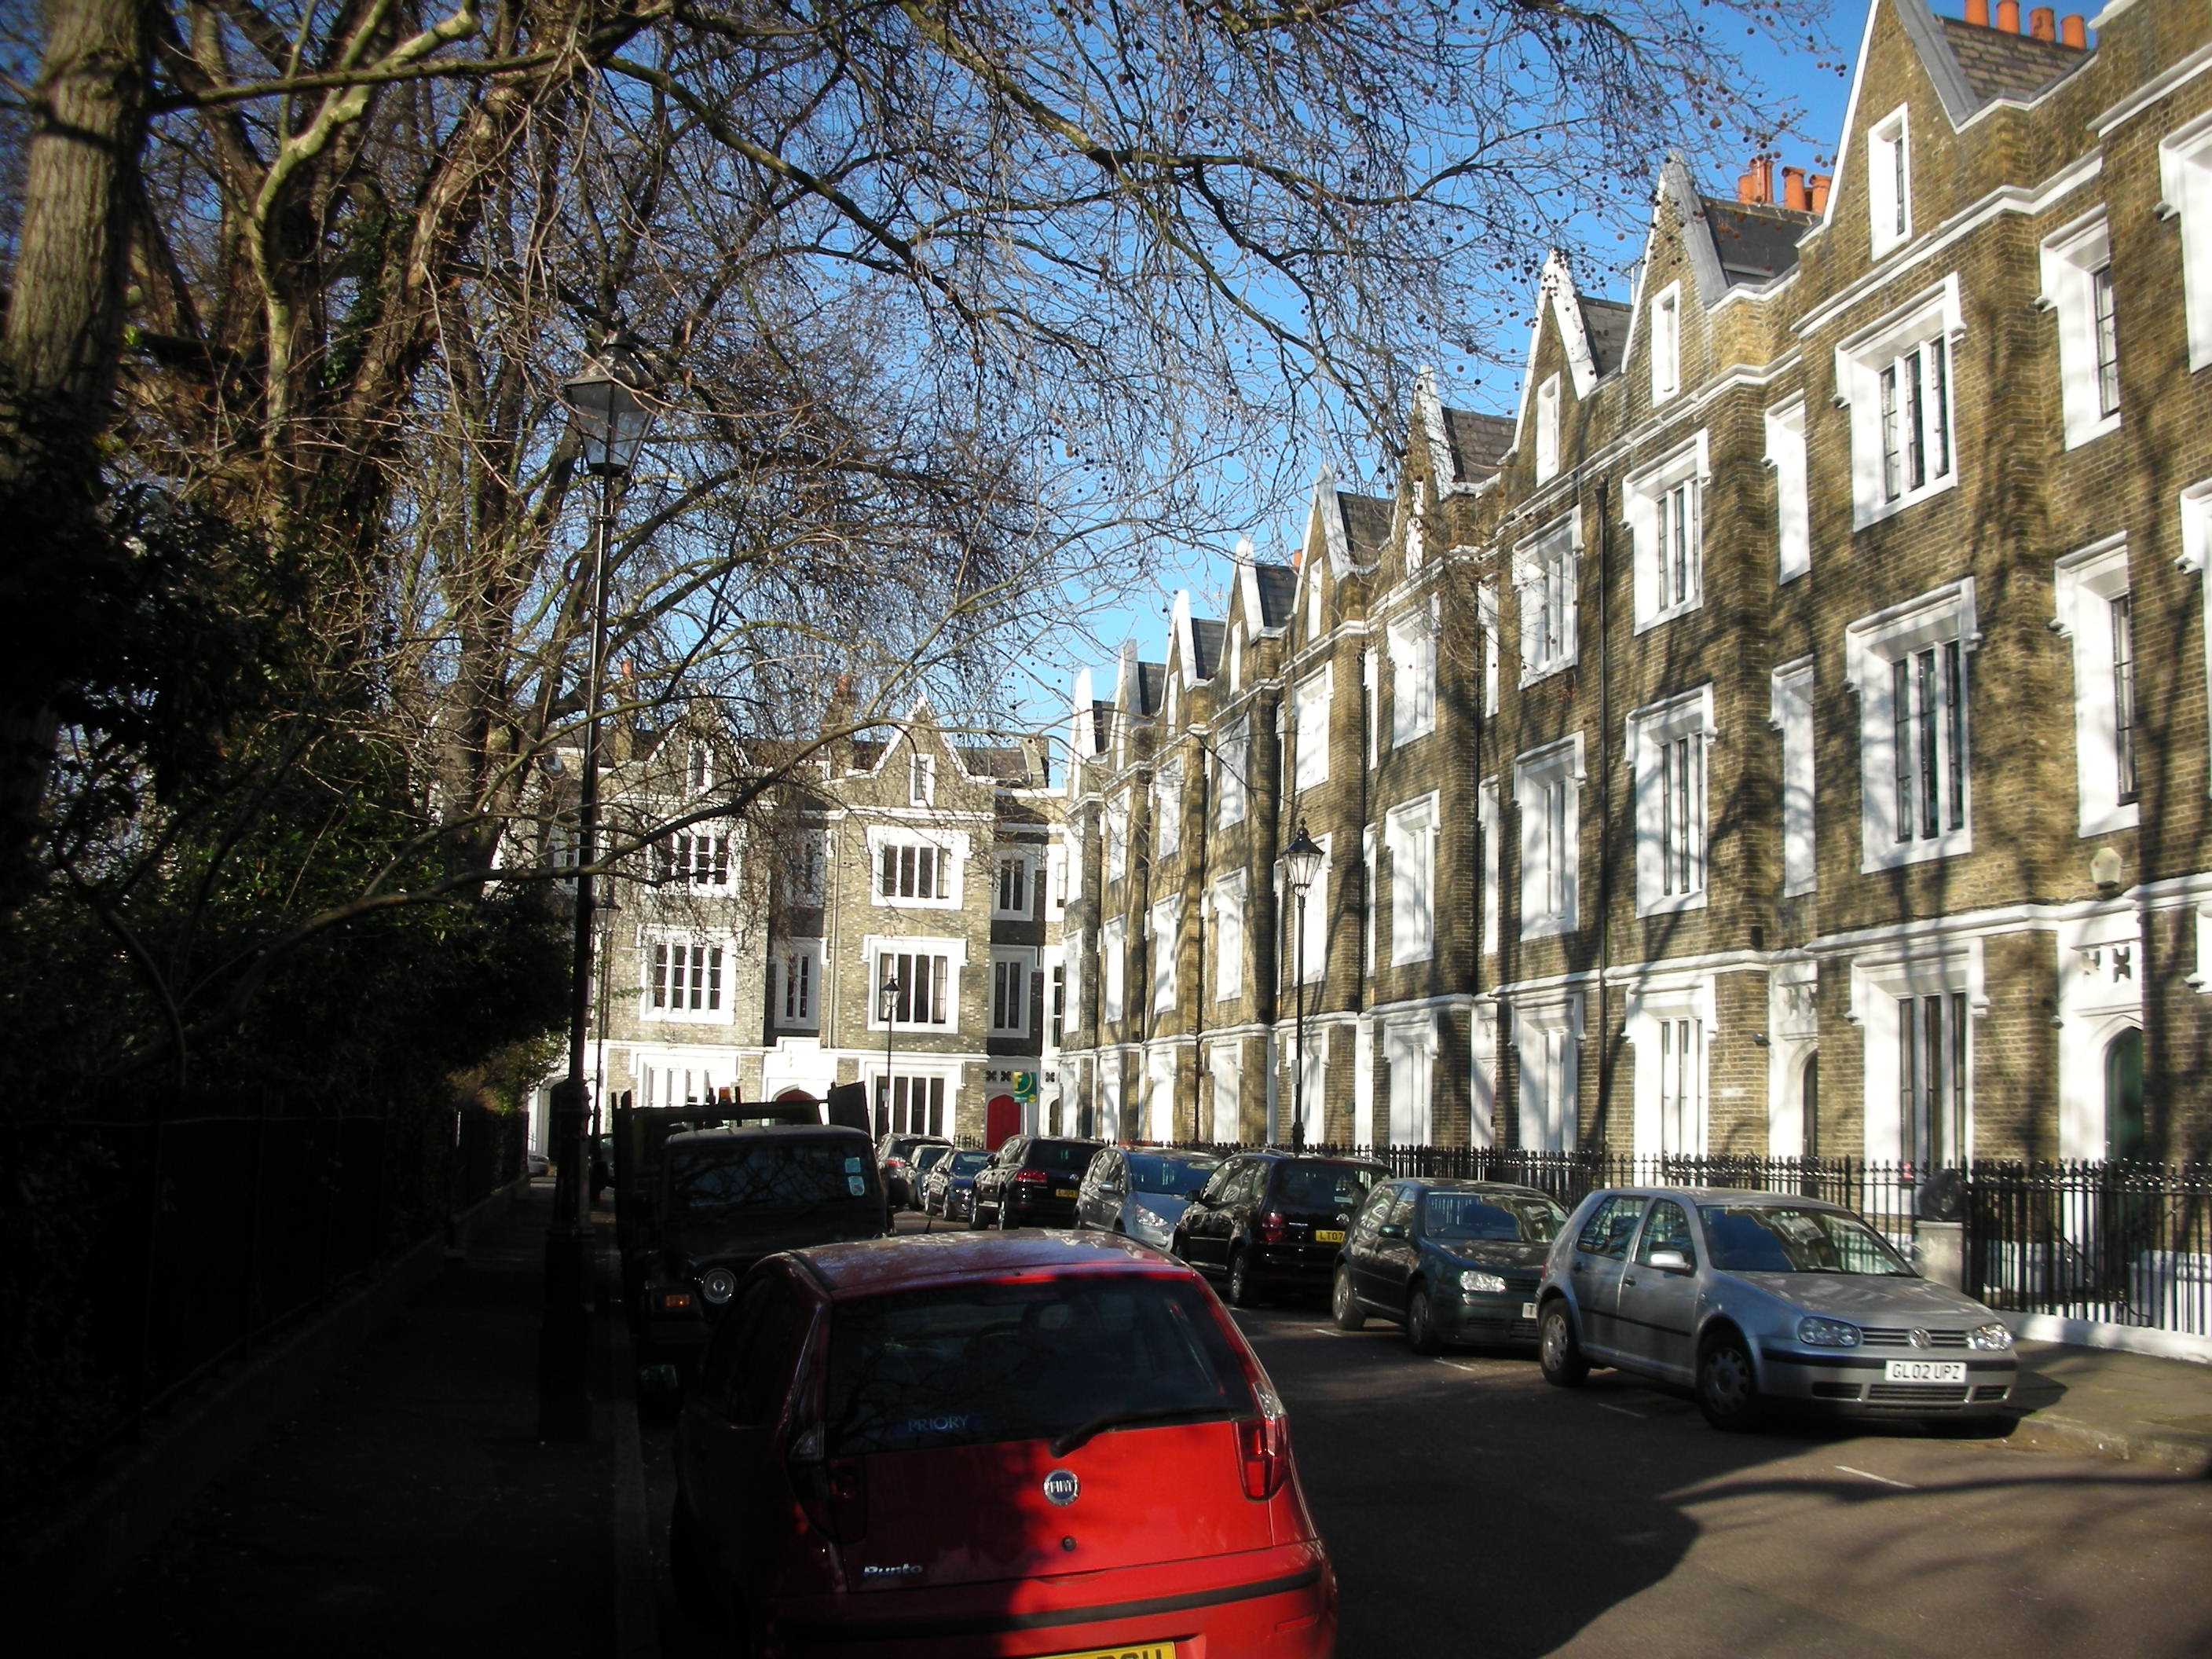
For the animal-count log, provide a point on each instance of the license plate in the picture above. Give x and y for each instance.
(1329, 1235)
(1063, 1191)
(1132, 1650)
(1528, 1310)
(1924, 1370)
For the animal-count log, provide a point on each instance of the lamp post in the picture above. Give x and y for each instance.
(890, 1004)
(608, 421)
(1302, 862)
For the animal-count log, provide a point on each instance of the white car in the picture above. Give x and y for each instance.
(536, 1163)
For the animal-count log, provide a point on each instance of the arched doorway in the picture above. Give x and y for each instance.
(2125, 1135)
(795, 1094)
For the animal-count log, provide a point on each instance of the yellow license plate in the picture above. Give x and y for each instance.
(1133, 1650)
(1329, 1235)
(1063, 1191)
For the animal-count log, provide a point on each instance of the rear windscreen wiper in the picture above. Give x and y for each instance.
(1069, 1439)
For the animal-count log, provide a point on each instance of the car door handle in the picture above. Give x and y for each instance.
(1627, 1280)
(1578, 1266)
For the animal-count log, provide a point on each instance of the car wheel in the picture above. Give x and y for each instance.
(1344, 1304)
(1004, 1220)
(1421, 1323)
(1557, 1353)
(1728, 1387)
(1244, 1289)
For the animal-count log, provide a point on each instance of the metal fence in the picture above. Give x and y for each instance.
(167, 1235)
(2114, 1243)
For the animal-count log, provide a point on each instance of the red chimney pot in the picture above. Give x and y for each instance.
(1793, 188)
(2043, 23)
(2009, 15)
(2074, 31)
(1977, 13)
(1816, 191)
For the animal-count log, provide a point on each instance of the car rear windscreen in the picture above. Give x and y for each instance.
(1073, 1156)
(1496, 1216)
(1176, 1177)
(968, 1162)
(968, 1364)
(727, 1175)
(1321, 1186)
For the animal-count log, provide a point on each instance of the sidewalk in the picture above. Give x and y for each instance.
(409, 1509)
(2117, 1405)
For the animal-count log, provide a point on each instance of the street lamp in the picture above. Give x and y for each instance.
(889, 1002)
(609, 420)
(1302, 862)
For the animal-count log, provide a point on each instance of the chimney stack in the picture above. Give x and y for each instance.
(2074, 31)
(2009, 15)
(1756, 187)
(1793, 189)
(2043, 23)
(1977, 13)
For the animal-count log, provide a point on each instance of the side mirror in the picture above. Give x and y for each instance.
(1671, 1261)
(1390, 1230)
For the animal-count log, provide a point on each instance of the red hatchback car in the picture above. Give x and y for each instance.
(1035, 1443)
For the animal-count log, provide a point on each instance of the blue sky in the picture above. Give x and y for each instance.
(1813, 82)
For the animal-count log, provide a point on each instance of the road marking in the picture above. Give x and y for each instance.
(1869, 1474)
(1623, 1410)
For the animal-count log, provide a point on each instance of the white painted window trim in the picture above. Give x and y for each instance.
(1228, 906)
(1560, 763)
(1114, 827)
(1648, 1006)
(2070, 260)
(1547, 1034)
(808, 1017)
(1113, 969)
(1889, 156)
(1411, 831)
(1651, 729)
(1935, 312)
(2185, 166)
(1550, 558)
(2085, 582)
(1369, 862)
(1311, 703)
(1232, 771)
(1878, 981)
(1030, 864)
(1793, 512)
(1869, 646)
(1489, 817)
(1665, 313)
(951, 844)
(690, 939)
(1167, 806)
(1164, 930)
(1642, 496)
(1494, 641)
(1790, 713)
(1413, 645)
(1547, 429)
(2195, 556)
(876, 946)
(1024, 959)
(1317, 917)
(1410, 1049)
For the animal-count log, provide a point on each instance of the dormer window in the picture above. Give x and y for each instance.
(1889, 182)
(1667, 342)
(1547, 429)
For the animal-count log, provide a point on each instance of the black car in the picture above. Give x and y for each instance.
(925, 1159)
(1274, 1220)
(729, 1197)
(1032, 1181)
(895, 1155)
(948, 1188)
(1452, 1261)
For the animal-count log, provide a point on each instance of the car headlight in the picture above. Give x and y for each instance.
(1827, 1334)
(1472, 1280)
(718, 1285)
(1990, 1336)
(1144, 1218)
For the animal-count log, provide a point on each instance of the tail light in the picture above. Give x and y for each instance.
(833, 1491)
(1271, 1229)
(1036, 1175)
(1263, 1446)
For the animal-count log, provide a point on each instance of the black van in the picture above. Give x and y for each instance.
(725, 1198)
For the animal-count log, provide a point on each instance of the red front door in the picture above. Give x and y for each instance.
(1001, 1117)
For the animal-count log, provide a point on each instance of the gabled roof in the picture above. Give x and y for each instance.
(1998, 65)
(1754, 242)
(992, 760)
(1151, 688)
(1367, 521)
(1604, 322)
(1276, 586)
(1206, 635)
(1477, 443)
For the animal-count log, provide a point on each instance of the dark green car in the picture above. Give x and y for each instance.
(1451, 1261)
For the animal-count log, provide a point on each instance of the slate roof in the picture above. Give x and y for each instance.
(1367, 520)
(1756, 242)
(1278, 593)
(1478, 443)
(1998, 65)
(1605, 322)
(1101, 725)
(994, 760)
(1152, 687)
(1206, 637)
(865, 753)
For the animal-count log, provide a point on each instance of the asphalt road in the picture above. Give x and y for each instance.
(1471, 1509)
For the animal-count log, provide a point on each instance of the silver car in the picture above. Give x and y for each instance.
(1749, 1299)
(1139, 1191)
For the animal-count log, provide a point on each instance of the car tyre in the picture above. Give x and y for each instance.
(1344, 1303)
(1002, 1221)
(1728, 1387)
(1243, 1290)
(1421, 1323)
(1558, 1354)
